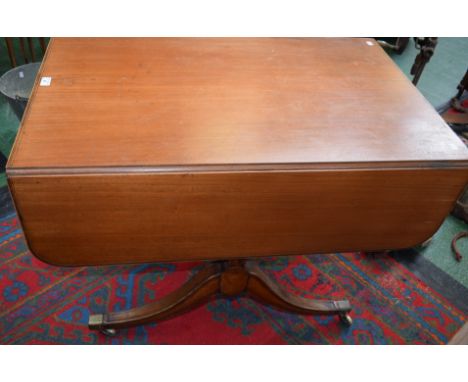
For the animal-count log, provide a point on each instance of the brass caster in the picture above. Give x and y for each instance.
(346, 319)
(108, 332)
(96, 322)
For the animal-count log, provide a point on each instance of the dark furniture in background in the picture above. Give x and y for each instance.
(27, 56)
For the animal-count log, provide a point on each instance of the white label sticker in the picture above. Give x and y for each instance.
(45, 81)
(21, 74)
(370, 43)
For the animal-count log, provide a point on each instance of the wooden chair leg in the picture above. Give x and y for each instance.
(23, 50)
(31, 49)
(42, 44)
(11, 52)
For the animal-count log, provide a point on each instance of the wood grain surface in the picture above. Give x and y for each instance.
(105, 219)
(173, 149)
(217, 101)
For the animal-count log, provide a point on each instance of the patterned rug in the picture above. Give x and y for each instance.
(43, 304)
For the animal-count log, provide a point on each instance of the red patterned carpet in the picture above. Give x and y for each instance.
(42, 304)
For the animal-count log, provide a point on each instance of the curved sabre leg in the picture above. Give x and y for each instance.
(229, 278)
(266, 291)
(195, 292)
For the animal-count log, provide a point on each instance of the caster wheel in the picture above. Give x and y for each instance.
(346, 319)
(108, 332)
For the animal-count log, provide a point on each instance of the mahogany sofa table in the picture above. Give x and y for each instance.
(224, 150)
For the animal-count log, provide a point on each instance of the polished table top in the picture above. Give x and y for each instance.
(143, 150)
(168, 103)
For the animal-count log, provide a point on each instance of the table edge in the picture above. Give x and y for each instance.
(223, 168)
